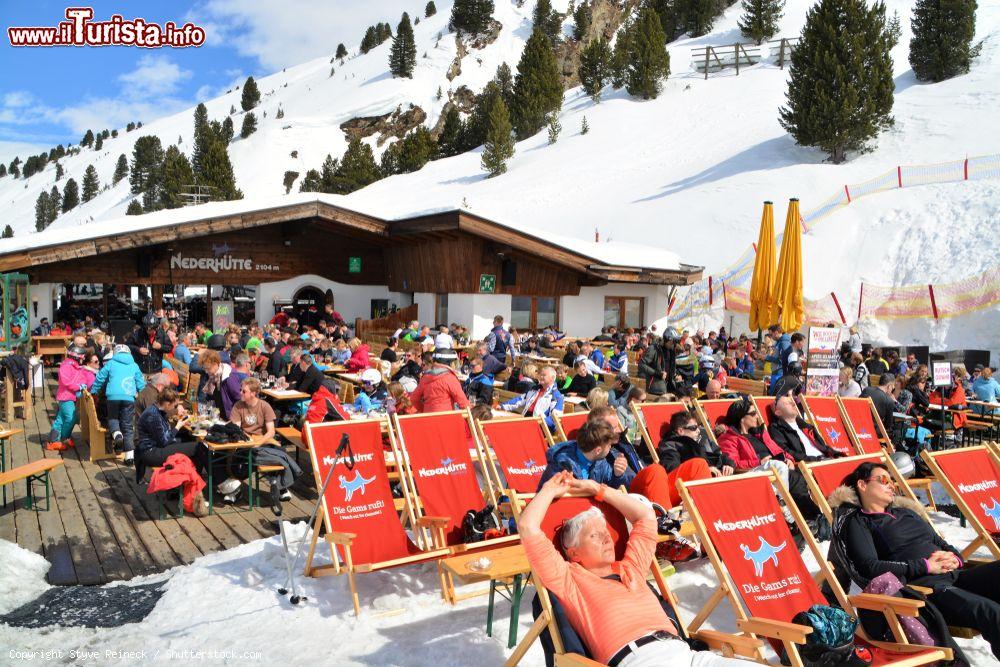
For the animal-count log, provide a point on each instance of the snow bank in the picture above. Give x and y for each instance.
(22, 577)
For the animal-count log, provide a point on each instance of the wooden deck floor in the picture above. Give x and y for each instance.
(103, 527)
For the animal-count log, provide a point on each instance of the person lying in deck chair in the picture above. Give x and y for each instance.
(607, 602)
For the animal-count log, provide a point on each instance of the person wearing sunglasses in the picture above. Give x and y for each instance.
(876, 532)
(686, 453)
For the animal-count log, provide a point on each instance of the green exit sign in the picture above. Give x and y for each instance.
(354, 265)
(487, 283)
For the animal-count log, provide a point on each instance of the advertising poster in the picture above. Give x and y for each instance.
(823, 366)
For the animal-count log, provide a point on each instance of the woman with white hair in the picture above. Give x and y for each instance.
(607, 602)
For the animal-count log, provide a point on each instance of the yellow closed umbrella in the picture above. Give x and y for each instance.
(762, 287)
(788, 285)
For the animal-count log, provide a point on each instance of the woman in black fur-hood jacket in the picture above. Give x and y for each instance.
(875, 531)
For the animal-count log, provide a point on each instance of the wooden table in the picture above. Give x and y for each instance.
(217, 451)
(285, 394)
(507, 563)
(51, 345)
(334, 369)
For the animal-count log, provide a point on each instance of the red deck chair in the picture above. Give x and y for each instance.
(871, 437)
(654, 422)
(823, 477)
(559, 511)
(971, 476)
(711, 413)
(765, 406)
(763, 575)
(518, 448)
(568, 425)
(824, 412)
(362, 528)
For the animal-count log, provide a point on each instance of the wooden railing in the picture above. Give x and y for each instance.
(706, 59)
(385, 325)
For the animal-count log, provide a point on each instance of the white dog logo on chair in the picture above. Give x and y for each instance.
(763, 554)
(357, 484)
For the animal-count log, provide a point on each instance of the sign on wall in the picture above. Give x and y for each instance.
(222, 315)
(487, 283)
(823, 370)
(354, 265)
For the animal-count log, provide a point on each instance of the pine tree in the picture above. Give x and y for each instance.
(439, 94)
(42, 211)
(55, 204)
(538, 88)
(621, 53)
(251, 96)
(416, 149)
(147, 165)
(249, 125)
(357, 168)
(449, 142)
(548, 21)
(341, 51)
(121, 169)
(595, 67)
(389, 164)
(114, 133)
(3, 170)
(471, 17)
(369, 41)
(499, 145)
(582, 18)
(403, 54)
(649, 62)
(311, 182)
(71, 195)
(280, 114)
(8, 231)
(217, 171)
(99, 142)
(328, 175)
(584, 126)
(201, 136)
(430, 10)
(59, 171)
(134, 208)
(505, 82)
(88, 139)
(91, 184)
(554, 129)
(840, 89)
(941, 46)
(177, 175)
(760, 19)
(227, 131)
(478, 124)
(14, 170)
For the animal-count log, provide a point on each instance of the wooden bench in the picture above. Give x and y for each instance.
(750, 387)
(95, 435)
(36, 471)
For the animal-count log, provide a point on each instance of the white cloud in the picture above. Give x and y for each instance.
(155, 75)
(11, 149)
(281, 34)
(17, 98)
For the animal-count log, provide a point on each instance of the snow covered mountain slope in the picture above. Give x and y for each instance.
(687, 171)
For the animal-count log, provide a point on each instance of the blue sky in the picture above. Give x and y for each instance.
(53, 95)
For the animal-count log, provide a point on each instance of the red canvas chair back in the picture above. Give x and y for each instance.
(827, 418)
(744, 522)
(443, 472)
(572, 422)
(358, 501)
(565, 508)
(862, 419)
(520, 447)
(829, 474)
(715, 410)
(765, 406)
(975, 476)
(657, 417)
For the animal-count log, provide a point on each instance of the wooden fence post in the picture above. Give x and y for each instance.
(707, 49)
(781, 54)
(736, 52)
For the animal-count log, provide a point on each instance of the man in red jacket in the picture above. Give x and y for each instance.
(439, 389)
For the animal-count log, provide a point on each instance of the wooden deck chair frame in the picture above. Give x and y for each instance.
(883, 437)
(810, 417)
(702, 416)
(640, 419)
(790, 634)
(718, 641)
(492, 464)
(902, 489)
(983, 538)
(424, 524)
(335, 539)
(558, 419)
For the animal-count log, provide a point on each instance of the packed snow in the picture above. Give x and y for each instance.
(224, 609)
(686, 172)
